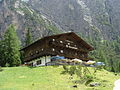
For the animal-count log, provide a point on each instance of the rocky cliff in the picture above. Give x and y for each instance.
(46, 17)
(85, 16)
(23, 17)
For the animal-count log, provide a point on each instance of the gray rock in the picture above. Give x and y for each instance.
(94, 84)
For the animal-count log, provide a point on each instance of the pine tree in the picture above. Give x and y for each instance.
(2, 61)
(11, 47)
(28, 39)
(107, 51)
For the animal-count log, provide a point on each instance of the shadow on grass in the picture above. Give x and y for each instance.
(63, 72)
(1, 69)
(31, 67)
(55, 66)
(82, 81)
(78, 82)
(105, 81)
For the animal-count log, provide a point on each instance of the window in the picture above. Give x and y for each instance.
(75, 53)
(53, 40)
(37, 52)
(39, 62)
(61, 51)
(61, 41)
(53, 49)
(66, 45)
(31, 54)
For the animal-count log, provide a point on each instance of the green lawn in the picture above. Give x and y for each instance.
(48, 78)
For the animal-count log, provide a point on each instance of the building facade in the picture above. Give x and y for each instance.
(68, 45)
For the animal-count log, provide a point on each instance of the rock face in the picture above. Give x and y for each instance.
(18, 13)
(45, 17)
(86, 16)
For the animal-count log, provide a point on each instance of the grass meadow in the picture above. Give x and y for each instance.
(49, 78)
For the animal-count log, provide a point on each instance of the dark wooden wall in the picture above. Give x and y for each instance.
(63, 46)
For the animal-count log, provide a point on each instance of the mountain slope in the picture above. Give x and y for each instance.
(81, 16)
(84, 16)
(18, 13)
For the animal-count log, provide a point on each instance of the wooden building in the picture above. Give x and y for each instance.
(68, 45)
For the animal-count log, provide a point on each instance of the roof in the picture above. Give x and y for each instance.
(76, 37)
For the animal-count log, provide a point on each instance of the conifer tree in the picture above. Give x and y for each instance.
(11, 47)
(2, 61)
(28, 39)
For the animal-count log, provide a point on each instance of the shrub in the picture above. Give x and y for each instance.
(65, 68)
(72, 70)
(1, 69)
(7, 64)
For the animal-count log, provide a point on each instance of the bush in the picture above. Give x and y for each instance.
(7, 64)
(1, 69)
(72, 70)
(88, 79)
(79, 73)
(65, 68)
(89, 76)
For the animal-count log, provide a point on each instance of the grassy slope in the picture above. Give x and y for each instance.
(47, 78)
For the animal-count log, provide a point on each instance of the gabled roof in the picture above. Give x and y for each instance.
(72, 34)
